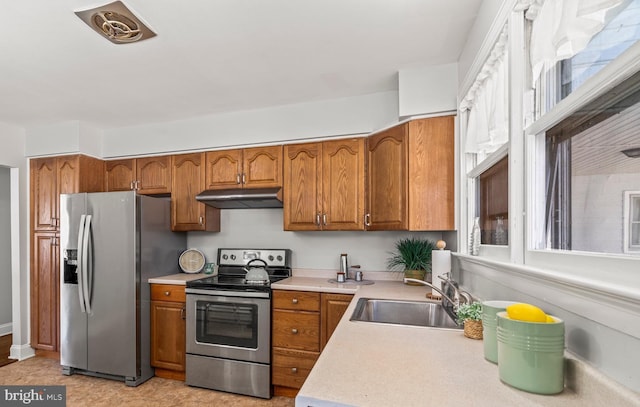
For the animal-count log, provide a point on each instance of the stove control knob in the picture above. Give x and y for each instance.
(279, 258)
(224, 256)
(270, 257)
(233, 257)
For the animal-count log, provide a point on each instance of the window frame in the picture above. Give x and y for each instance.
(629, 197)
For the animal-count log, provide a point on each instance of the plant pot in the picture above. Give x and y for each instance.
(417, 274)
(473, 329)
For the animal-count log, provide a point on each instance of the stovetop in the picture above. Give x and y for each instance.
(231, 269)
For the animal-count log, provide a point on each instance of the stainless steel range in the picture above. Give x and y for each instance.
(229, 322)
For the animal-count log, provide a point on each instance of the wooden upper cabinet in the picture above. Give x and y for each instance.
(44, 193)
(224, 169)
(153, 175)
(411, 176)
(324, 185)
(187, 214)
(259, 167)
(343, 174)
(149, 175)
(53, 176)
(302, 186)
(120, 175)
(387, 179)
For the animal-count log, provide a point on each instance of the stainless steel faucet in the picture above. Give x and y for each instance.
(452, 299)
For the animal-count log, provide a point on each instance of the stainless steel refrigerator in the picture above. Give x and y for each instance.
(111, 243)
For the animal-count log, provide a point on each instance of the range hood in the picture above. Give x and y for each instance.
(240, 198)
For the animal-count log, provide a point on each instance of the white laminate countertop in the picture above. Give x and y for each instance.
(177, 279)
(371, 364)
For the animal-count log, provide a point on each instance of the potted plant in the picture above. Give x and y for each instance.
(471, 316)
(413, 257)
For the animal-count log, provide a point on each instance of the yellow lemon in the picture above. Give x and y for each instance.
(550, 319)
(526, 312)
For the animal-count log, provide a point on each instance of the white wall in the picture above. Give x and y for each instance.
(428, 90)
(5, 247)
(355, 115)
(595, 201)
(63, 138)
(262, 229)
(13, 140)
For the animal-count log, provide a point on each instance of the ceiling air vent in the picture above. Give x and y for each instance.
(116, 22)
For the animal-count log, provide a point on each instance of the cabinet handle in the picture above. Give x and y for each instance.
(237, 178)
(131, 187)
(295, 300)
(318, 219)
(294, 370)
(294, 331)
(324, 218)
(201, 220)
(167, 293)
(367, 219)
(244, 178)
(137, 185)
(183, 312)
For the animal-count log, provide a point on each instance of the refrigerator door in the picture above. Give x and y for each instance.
(73, 320)
(114, 279)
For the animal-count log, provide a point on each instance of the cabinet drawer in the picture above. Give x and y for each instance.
(296, 330)
(296, 300)
(290, 368)
(167, 292)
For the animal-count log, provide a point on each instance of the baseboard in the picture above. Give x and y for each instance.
(21, 352)
(6, 329)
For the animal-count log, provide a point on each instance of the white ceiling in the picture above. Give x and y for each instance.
(214, 56)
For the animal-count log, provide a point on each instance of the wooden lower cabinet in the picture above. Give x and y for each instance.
(45, 292)
(168, 330)
(302, 324)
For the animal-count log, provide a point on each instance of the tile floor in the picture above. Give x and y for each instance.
(95, 392)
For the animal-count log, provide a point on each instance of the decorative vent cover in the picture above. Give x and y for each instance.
(116, 22)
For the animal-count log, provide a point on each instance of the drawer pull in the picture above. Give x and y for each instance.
(295, 300)
(294, 370)
(294, 331)
(167, 293)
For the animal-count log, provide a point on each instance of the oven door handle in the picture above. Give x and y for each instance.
(229, 293)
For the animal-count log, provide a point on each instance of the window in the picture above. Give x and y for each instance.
(632, 221)
(587, 174)
(494, 203)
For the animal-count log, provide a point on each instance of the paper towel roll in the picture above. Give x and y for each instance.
(440, 264)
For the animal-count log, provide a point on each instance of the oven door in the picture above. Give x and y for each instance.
(229, 324)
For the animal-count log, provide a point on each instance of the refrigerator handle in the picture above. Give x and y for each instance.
(80, 260)
(85, 263)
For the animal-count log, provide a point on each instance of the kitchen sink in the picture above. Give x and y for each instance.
(400, 312)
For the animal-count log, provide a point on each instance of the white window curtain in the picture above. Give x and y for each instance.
(488, 103)
(562, 28)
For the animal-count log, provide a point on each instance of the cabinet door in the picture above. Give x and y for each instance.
(153, 175)
(333, 308)
(223, 169)
(431, 174)
(44, 194)
(44, 291)
(120, 175)
(343, 167)
(68, 168)
(262, 167)
(187, 181)
(387, 179)
(296, 330)
(302, 186)
(168, 335)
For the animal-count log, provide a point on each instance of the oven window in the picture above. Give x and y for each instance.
(223, 323)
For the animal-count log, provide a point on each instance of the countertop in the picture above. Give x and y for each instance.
(177, 279)
(371, 364)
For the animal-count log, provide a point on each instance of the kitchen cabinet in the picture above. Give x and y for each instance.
(324, 185)
(259, 167)
(187, 180)
(302, 324)
(50, 177)
(148, 175)
(411, 176)
(45, 283)
(168, 330)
